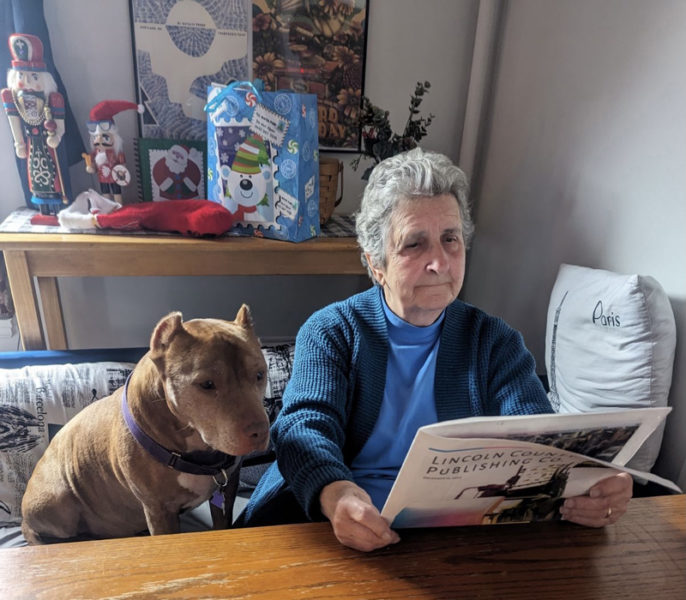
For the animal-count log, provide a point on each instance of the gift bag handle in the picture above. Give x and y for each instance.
(257, 87)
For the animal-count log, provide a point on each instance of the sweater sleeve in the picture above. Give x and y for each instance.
(513, 387)
(309, 434)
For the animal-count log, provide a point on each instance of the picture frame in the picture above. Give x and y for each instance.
(171, 169)
(316, 47)
(179, 48)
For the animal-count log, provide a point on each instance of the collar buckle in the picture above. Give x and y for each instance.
(173, 458)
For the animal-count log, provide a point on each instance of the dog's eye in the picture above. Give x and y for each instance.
(260, 375)
(207, 385)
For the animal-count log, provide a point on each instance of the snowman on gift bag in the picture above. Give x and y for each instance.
(248, 192)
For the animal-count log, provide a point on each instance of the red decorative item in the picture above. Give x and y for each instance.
(193, 217)
(189, 217)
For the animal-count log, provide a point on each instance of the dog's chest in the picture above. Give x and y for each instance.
(200, 486)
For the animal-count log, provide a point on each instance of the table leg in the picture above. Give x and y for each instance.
(24, 298)
(52, 313)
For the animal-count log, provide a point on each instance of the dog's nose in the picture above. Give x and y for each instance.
(258, 432)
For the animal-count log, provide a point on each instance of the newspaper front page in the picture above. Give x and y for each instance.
(488, 470)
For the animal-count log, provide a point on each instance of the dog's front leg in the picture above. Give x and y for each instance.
(161, 520)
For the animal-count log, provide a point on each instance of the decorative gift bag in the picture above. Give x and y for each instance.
(263, 159)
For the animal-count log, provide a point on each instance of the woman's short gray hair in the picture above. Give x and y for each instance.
(412, 174)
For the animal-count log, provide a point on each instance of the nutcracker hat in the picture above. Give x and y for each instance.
(27, 52)
(105, 110)
(250, 155)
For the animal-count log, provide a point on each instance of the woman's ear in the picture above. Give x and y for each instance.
(377, 272)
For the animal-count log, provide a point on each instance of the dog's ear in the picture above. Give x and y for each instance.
(164, 332)
(244, 318)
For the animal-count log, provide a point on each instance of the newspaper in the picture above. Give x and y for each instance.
(488, 470)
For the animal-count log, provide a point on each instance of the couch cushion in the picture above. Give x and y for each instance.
(279, 366)
(35, 401)
(610, 343)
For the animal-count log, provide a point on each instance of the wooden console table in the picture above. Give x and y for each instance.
(47, 256)
(643, 557)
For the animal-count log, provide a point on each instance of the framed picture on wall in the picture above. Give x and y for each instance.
(180, 47)
(318, 47)
(171, 169)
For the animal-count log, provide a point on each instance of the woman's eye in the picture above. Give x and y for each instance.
(207, 385)
(260, 375)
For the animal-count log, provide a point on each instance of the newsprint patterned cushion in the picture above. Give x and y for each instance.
(34, 403)
(279, 364)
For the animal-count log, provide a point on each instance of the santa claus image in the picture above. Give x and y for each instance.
(177, 175)
(106, 156)
(249, 184)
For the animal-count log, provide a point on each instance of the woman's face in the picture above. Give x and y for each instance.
(425, 258)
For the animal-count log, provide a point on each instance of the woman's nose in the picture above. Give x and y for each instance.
(438, 259)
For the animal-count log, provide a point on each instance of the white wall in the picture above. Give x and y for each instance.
(585, 165)
(408, 41)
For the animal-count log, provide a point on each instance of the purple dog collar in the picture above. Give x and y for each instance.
(196, 463)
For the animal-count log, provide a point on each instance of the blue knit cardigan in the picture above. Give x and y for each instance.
(334, 395)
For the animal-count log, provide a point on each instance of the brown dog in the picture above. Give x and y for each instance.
(193, 399)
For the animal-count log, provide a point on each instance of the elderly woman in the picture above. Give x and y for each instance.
(370, 370)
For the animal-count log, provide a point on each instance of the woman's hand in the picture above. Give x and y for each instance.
(605, 504)
(356, 521)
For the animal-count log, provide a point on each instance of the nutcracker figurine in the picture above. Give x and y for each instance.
(106, 156)
(35, 110)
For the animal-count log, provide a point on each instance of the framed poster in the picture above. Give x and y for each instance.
(171, 169)
(317, 47)
(180, 47)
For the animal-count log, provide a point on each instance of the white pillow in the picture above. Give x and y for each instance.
(610, 342)
(35, 402)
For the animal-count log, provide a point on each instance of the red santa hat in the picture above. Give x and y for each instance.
(193, 217)
(105, 110)
(27, 52)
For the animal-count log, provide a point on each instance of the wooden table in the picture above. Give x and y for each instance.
(642, 556)
(47, 256)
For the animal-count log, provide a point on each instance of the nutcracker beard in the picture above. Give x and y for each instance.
(100, 156)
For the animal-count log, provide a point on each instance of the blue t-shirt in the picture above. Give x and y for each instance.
(408, 404)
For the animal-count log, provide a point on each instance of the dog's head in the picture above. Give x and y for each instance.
(214, 377)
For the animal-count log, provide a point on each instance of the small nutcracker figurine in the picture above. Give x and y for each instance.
(107, 156)
(35, 110)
